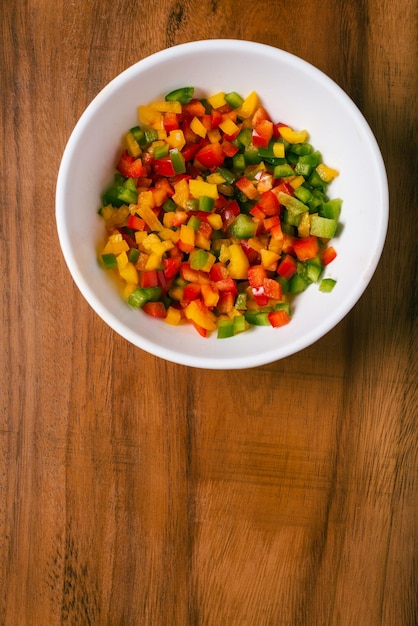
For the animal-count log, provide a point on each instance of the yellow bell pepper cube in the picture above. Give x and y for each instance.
(128, 289)
(293, 136)
(200, 314)
(326, 173)
(214, 135)
(181, 193)
(200, 188)
(140, 235)
(122, 260)
(144, 210)
(165, 106)
(296, 182)
(173, 316)
(269, 259)
(118, 244)
(224, 253)
(187, 238)
(215, 220)
(197, 127)
(304, 227)
(238, 262)
(129, 273)
(202, 242)
(278, 150)
(217, 100)
(249, 105)
(228, 127)
(133, 146)
(150, 117)
(150, 241)
(255, 244)
(175, 139)
(215, 178)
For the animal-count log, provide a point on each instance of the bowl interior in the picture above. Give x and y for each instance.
(293, 92)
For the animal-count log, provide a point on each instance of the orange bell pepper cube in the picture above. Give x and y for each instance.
(278, 318)
(155, 309)
(262, 133)
(328, 255)
(306, 248)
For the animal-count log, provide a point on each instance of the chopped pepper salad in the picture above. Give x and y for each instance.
(218, 215)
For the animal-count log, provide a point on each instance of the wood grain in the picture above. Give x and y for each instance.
(135, 492)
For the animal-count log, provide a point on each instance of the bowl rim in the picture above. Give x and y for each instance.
(142, 342)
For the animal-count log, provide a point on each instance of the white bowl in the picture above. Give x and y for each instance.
(293, 91)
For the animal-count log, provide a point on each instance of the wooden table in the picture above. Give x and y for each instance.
(135, 492)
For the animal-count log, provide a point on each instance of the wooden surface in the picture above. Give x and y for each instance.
(134, 492)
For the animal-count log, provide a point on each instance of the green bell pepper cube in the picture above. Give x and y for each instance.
(239, 324)
(141, 295)
(206, 204)
(161, 151)
(183, 95)
(298, 283)
(194, 222)
(234, 99)
(292, 204)
(243, 227)
(139, 135)
(327, 285)
(109, 261)
(283, 171)
(133, 255)
(118, 195)
(241, 302)
(323, 227)
(303, 194)
(225, 328)
(178, 161)
(331, 209)
(257, 318)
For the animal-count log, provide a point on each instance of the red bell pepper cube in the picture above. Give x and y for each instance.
(262, 133)
(130, 167)
(164, 166)
(216, 118)
(328, 255)
(259, 296)
(272, 289)
(170, 121)
(227, 284)
(218, 272)
(252, 255)
(148, 278)
(256, 276)
(269, 203)
(191, 292)
(306, 247)
(287, 267)
(284, 187)
(190, 150)
(171, 266)
(278, 318)
(211, 155)
(155, 309)
(136, 223)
